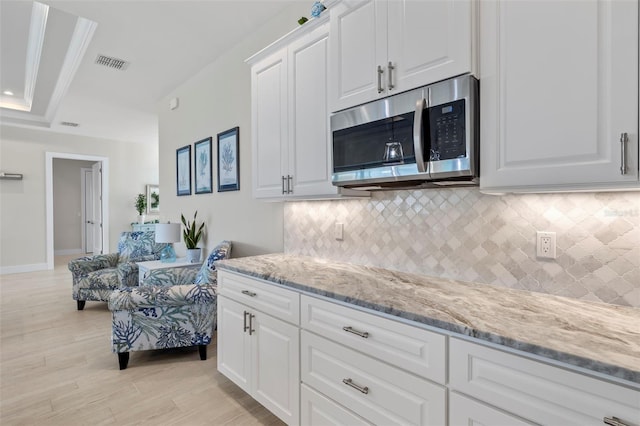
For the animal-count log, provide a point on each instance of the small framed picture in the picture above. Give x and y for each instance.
(183, 170)
(153, 199)
(228, 161)
(202, 160)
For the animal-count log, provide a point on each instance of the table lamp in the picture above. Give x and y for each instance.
(168, 233)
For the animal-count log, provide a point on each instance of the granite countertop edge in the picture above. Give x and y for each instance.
(574, 360)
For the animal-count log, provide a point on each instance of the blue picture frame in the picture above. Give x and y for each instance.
(183, 170)
(203, 180)
(229, 160)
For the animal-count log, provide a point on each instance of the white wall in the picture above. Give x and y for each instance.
(67, 205)
(215, 100)
(22, 203)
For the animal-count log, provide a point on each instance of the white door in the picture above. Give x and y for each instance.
(309, 147)
(358, 48)
(428, 41)
(88, 225)
(97, 207)
(559, 86)
(269, 125)
(233, 342)
(276, 366)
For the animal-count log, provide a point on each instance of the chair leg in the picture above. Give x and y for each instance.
(203, 352)
(80, 304)
(123, 359)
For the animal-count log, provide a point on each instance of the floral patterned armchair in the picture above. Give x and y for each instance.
(174, 307)
(95, 277)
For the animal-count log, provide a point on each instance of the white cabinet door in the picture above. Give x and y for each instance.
(234, 356)
(429, 41)
(358, 47)
(465, 411)
(559, 86)
(276, 366)
(309, 152)
(269, 125)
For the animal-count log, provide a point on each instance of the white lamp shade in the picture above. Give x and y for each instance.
(167, 232)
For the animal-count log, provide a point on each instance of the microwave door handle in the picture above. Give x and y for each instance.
(418, 143)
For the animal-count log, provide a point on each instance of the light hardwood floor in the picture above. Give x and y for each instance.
(56, 367)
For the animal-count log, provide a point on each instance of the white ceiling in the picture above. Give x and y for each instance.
(165, 42)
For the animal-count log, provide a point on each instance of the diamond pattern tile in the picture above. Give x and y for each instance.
(469, 236)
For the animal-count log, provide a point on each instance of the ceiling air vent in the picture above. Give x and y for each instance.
(69, 124)
(110, 62)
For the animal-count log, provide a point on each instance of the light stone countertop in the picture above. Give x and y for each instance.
(596, 336)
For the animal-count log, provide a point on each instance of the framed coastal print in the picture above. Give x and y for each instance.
(183, 170)
(202, 159)
(153, 199)
(228, 161)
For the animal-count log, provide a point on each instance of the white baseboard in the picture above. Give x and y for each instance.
(67, 251)
(18, 269)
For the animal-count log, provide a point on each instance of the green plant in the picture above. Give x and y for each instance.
(141, 203)
(191, 232)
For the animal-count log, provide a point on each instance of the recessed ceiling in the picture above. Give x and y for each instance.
(164, 43)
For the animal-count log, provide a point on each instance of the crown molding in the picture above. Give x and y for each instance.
(39, 14)
(82, 35)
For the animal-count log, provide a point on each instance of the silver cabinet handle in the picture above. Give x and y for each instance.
(391, 68)
(245, 322)
(614, 421)
(349, 382)
(623, 153)
(251, 330)
(363, 334)
(380, 72)
(283, 179)
(289, 184)
(417, 135)
(249, 293)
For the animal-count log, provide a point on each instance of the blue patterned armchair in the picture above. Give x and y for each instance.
(174, 307)
(95, 277)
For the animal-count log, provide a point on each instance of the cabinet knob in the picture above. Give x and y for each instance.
(349, 382)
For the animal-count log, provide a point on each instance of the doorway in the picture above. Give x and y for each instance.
(100, 170)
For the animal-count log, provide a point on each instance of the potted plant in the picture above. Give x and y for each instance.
(192, 233)
(141, 206)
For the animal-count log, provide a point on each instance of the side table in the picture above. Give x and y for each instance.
(145, 267)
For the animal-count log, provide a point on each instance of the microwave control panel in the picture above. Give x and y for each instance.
(447, 131)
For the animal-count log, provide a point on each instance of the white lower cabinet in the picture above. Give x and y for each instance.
(378, 392)
(311, 361)
(259, 353)
(536, 391)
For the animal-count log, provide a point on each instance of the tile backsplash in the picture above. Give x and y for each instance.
(469, 236)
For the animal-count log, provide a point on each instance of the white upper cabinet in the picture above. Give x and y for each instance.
(269, 125)
(559, 86)
(291, 140)
(380, 47)
(310, 154)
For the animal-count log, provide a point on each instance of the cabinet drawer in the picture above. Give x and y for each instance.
(414, 349)
(465, 411)
(376, 391)
(536, 391)
(270, 299)
(318, 410)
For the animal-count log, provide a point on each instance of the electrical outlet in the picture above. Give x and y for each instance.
(338, 231)
(545, 245)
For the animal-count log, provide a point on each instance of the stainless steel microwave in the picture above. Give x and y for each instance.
(425, 137)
